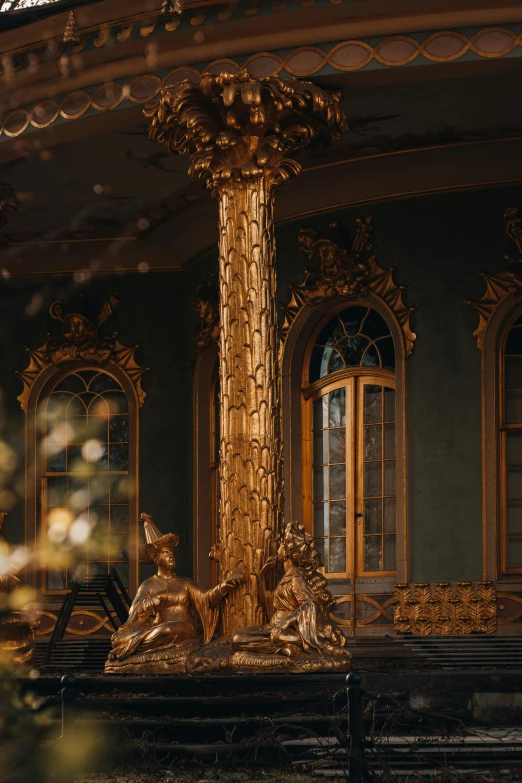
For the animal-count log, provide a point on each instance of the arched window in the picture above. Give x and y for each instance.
(88, 466)
(350, 445)
(511, 451)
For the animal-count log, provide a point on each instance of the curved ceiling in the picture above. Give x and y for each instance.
(101, 196)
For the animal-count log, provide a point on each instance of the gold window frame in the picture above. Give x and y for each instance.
(353, 381)
(34, 508)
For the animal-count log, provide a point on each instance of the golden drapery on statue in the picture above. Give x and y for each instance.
(160, 632)
(242, 134)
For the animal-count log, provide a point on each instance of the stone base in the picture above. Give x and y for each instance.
(171, 661)
(218, 657)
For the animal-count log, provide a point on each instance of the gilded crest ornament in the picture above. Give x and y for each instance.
(346, 273)
(80, 341)
(507, 283)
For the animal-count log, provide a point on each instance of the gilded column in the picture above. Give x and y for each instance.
(240, 133)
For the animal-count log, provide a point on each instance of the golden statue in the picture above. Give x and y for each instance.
(160, 632)
(300, 626)
(16, 628)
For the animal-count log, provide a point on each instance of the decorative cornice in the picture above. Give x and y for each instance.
(235, 127)
(304, 61)
(349, 274)
(80, 341)
(508, 283)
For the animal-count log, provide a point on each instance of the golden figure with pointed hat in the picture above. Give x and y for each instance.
(160, 631)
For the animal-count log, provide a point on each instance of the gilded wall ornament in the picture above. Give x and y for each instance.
(504, 284)
(241, 134)
(445, 609)
(347, 273)
(206, 304)
(9, 202)
(81, 341)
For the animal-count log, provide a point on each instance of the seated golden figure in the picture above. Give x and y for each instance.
(300, 626)
(160, 631)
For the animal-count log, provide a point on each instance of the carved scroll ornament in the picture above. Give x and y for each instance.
(80, 340)
(508, 283)
(206, 304)
(443, 609)
(347, 273)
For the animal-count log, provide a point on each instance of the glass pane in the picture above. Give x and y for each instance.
(337, 408)
(514, 448)
(74, 458)
(372, 553)
(389, 553)
(336, 362)
(321, 413)
(514, 516)
(514, 552)
(389, 404)
(513, 372)
(514, 482)
(389, 441)
(338, 481)
(513, 407)
(371, 357)
(123, 572)
(96, 428)
(56, 491)
(338, 518)
(119, 547)
(387, 352)
(322, 548)
(99, 515)
(99, 489)
(353, 349)
(117, 402)
(514, 341)
(373, 442)
(119, 457)
(352, 318)
(321, 447)
(373, 515)
(103, 382)
(320, 519)
(72, 383)
(337, 555)
(56, 580)
(119, 429)
(372, 404)
(56, 462)
(120, 490)
(372, 479)
(389, 477)
(76, 429)
(119, 518)
(320, 483)
(389, 515)
(338, 445)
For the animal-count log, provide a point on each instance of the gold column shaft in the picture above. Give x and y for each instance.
(250, 470)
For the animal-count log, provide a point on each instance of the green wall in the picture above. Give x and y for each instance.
(439, 242)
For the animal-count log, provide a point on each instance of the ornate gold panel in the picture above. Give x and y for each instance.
(445, 608)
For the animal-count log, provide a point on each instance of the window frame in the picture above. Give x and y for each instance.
(502, 429)
(35, 469)
(353, 380)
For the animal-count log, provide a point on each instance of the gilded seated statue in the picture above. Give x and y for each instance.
(160, 632)
(300, 628)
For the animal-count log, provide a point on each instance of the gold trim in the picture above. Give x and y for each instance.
(419, 49)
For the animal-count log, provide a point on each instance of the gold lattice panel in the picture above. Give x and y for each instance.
(445, 608)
